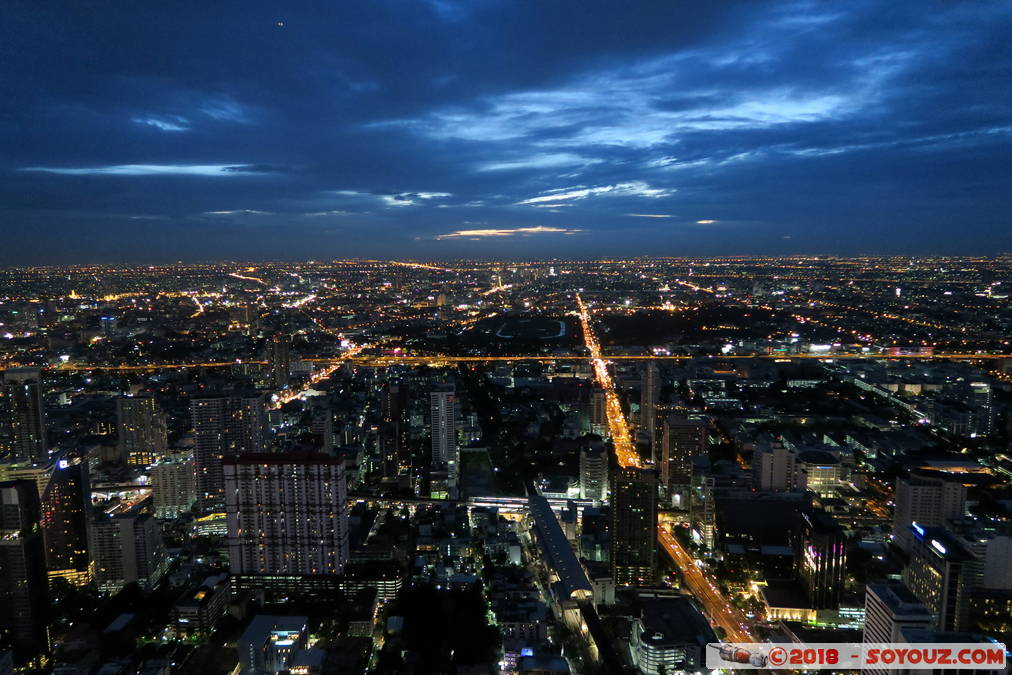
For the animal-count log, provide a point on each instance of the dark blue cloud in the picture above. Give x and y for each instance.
(193, 130)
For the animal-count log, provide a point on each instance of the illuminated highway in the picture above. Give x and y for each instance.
(436, 359)
(694, 286)
(716, 606)
(625, 449)
(236, 275)
(720, 611)
(385, 360)
(290, 395)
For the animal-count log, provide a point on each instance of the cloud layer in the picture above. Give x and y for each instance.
(384, 128)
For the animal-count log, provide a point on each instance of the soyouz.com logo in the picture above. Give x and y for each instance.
(855, 655)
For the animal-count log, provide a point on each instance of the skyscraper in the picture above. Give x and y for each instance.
(224, 426)
(443, 429)
(443, 424)
(928, 499)
(888, 609)
(633, 528)
(279, 360)
(703, 509)
(599, 412)
(66, 521)
(142, 432)
(981, 400)
(648, 407)
(127, 548)
(941, 574)
(173, 485)
(682, 440)
(25, 418)
(287, 515)
(23, 589)
(594, 473)
(392, 440)
(821, 558)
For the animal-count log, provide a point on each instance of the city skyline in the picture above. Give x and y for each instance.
(491, 130)
(576, 467)
(494, 337)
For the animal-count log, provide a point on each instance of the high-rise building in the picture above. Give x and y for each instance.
(173, 485)
(25, 417)
(287, 515)
(393, 441)
(321, 426)
(821, 558)
(993, 549)
(773, 468)
(888, 609)
(989, 576)
(127, 548)
(279, 360)
(982, 403)
(928, 499)
(443, 430)
(941, 574)
(66, 521)
(224, 426)
(23, 589)
(682, 440)
(142, 431)
(633, 527)
(443, 424)
(704, 510)
(648, 407)
(594, 473)
(599, 412)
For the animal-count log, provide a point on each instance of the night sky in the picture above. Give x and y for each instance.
(159, 131)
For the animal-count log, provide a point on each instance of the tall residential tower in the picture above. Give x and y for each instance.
(142, 432)
(25, 419)
(224, 426)
(634, 526)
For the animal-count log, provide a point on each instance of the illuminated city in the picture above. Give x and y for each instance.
(480, 337)
(772, 408)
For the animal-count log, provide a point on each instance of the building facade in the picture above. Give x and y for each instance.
(941, 575)
(286, 515)
(142, 432)
(66, 521)
(443, 432)
(224, 426)
(928, 499)
(173, 485)
(279, 361)
(648, 407)
(594, 473)
(127, 548)
(822, 559)
(24, 415)
(634, 526)
(23, 587)
(682, 439)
